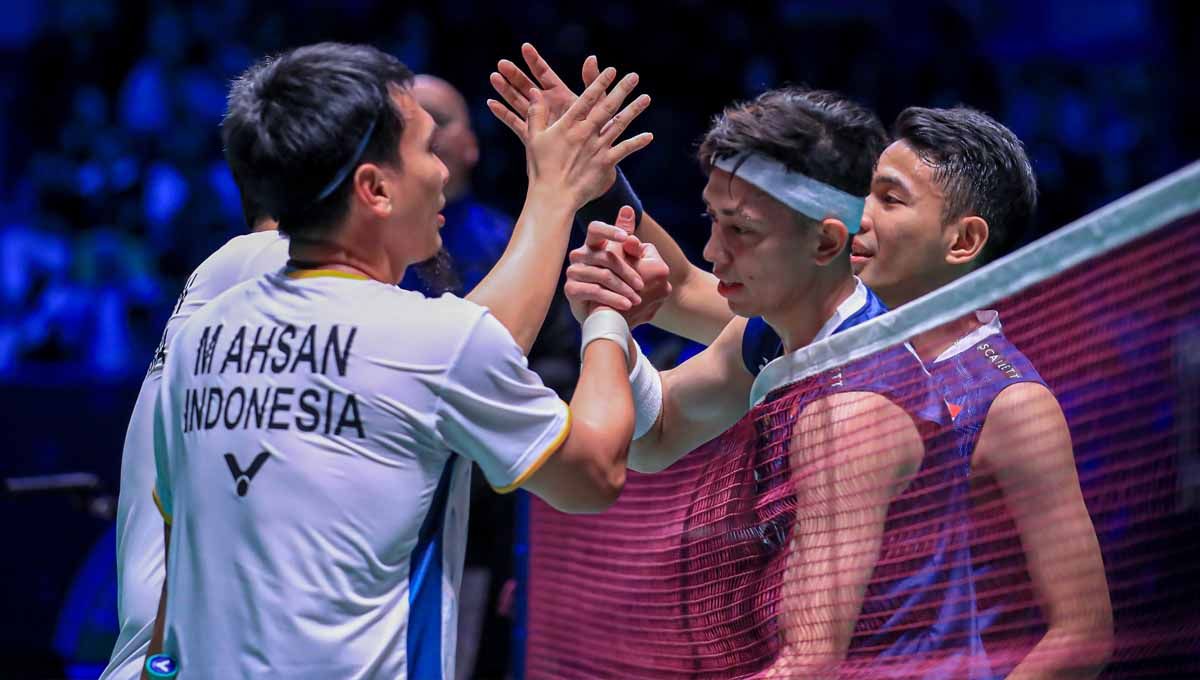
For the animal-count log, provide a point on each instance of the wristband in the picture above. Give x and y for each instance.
(605, 324)
(647, 395)
(605, 208)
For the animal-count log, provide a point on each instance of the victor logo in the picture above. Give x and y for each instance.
(242, 477)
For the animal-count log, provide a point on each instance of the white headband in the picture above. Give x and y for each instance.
(799, 192)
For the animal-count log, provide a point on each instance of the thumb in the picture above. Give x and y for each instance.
(625, 219)
(537, 111)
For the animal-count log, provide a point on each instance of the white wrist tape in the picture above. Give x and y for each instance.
(647, 395)
(605, 324)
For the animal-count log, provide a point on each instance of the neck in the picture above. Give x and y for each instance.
(918, 286)
(264, 224)
(319, 254)
(930, 344)
(799, 325)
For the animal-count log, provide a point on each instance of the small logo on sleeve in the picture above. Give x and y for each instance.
(242, 478)
(162, 666)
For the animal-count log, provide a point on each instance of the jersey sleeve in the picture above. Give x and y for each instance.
(494, 410)
(162, 484)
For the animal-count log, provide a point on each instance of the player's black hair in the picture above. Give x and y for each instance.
(979, 164)
(298, 125)
(817, 133)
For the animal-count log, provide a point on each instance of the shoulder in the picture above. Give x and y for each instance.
(1025, 417)
(1021, 405)
(860, 425)
(240, 259)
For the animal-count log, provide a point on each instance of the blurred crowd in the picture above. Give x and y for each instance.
(113, 187)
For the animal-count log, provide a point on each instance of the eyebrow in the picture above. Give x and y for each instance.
(892, 180)
(737, 211)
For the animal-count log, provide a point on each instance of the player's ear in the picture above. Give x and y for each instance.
(372, 190)
(832, 236)
(967, 236)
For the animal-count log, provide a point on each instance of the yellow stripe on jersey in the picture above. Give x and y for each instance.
(158, 504)
(541, 459)
(318, 273)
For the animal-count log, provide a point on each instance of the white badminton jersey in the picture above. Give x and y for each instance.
(310, 444)
(139, 526)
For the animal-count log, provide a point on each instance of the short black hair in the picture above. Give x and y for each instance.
(817, 133)
(979, 164)
(252, 209)
(296, 121)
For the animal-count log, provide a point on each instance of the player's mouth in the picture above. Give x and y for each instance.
(441, 220)
(859, 255)
(727, 288)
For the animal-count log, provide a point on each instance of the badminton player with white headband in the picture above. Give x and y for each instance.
(787, 173)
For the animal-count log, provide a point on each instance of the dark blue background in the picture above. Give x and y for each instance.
(112, 186)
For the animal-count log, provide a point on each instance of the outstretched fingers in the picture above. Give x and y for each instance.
(591, 69)
(540, 69)
(628, 147)
(621, 121)
(507, 91)
(591, 96)
(510, 119)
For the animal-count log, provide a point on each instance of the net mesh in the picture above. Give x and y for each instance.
(848, 526)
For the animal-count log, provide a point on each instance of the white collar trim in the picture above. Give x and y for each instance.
(779, 371)
(990, 319)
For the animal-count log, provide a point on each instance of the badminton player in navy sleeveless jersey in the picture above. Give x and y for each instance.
(781, 219)
(922, 229)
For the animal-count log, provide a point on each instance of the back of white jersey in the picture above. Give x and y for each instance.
(139, 525)
(311, 431)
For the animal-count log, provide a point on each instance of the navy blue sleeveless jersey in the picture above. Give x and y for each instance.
(1004, 621)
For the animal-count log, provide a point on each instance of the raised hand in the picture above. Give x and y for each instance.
(615, 269)
(576, 153)
(514, 86)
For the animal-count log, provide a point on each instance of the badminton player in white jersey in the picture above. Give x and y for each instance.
(950, 187)
(312, 422)
(139, 525)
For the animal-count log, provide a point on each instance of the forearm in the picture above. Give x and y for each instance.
(692, 412)
(519, 289)
(602, 399)
(694, 309)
